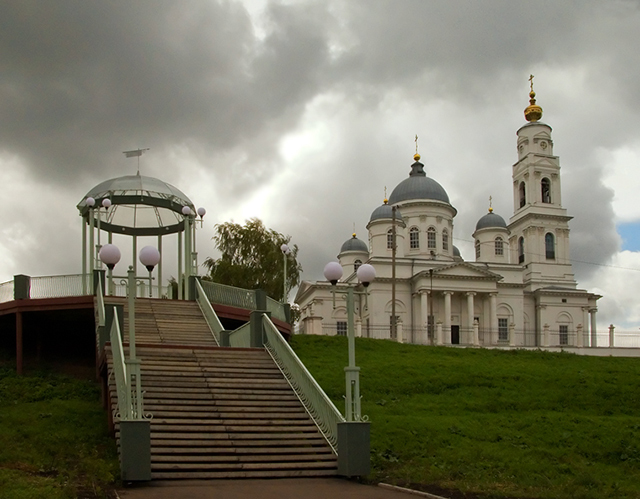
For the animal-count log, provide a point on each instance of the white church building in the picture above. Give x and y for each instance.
(519, 291)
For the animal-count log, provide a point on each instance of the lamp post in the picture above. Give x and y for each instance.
(149, 257)
(365, 273)
(285, 252)
(110, 256)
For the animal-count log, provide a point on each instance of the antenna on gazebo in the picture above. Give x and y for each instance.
(135, 153)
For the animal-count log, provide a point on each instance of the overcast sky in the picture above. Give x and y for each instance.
(301, 113)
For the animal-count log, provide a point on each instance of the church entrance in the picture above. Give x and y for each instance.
(455, 335)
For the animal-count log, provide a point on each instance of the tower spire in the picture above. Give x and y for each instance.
(532, 112)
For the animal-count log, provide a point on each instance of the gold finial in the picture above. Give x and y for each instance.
(416, 156)
(354, 230)
(490, 208)
(532, 112)
(385, 195)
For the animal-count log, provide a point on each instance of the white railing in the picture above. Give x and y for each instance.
(142, 289)
(120, 371)
(6, 291)
(229, 295)
(241, 337)
(58, 286)
(209, 314)
(323, 412)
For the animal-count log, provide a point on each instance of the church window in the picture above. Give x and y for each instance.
(523, 194)
(445, 240)
(431, 238)
(550, 246)
(341, 328)
(414, 238)
(499, 246)
(546, 190)
(356, 265)
(564, 334)
(390, 239)
(521, 250)
(503, 329)
(477, 249)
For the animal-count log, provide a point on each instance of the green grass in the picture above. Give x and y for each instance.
(497, 424)
(54, 441)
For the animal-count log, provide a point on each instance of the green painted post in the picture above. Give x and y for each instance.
(21, 287)
(98, 280)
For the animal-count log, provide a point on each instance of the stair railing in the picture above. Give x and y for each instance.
(241, 337)
(120, 371)
(209, 314)
(323, 412)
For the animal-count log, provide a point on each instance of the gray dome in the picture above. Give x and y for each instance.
(354, 244)
(384, 212)
(491, 220)
(140, 206)
(418, 186)
(456, 251)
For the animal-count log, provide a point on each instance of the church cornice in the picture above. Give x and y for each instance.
(530, 214)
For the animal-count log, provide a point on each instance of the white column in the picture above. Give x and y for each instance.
(585, 326)
(493, 312)
(358, 327)
(439, 334)
(476, 339)
(423, 338)
(611, 330)
(470, 338)
(399, 332)
(545, 338)
(579, 336)
(594, 335)
(447, 317)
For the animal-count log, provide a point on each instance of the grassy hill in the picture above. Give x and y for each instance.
(54, 441)
(492, 423)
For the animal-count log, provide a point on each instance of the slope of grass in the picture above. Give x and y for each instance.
(54, 441)
(493, 423)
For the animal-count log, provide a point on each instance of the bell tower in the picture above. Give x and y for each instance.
(539, 226)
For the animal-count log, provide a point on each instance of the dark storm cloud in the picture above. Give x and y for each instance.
(80, 81)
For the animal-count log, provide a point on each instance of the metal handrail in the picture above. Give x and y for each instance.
(209, 314)
(120, 371)
(323, 412)
(100, 303)
(241, 337)
(229, 295)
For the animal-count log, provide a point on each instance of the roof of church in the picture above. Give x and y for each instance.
(491, 220)
(384, 211)
(354, 244)
(418, 186)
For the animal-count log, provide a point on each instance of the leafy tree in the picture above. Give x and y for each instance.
(251, 258)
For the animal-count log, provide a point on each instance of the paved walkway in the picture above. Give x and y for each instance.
(285, 488)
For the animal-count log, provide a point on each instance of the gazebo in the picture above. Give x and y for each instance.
(136, 206)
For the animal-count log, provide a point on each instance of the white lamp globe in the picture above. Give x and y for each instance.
(366, 273)
(186, 211)
(285, 249)
(90, 202)
(149, 257)
(202, 212)
(106, 203)
(333, 272)
(109, 255)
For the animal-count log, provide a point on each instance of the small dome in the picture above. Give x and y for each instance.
(384, 212)
(354, 244)
(418, 186)
(491, 220)
(456, 251)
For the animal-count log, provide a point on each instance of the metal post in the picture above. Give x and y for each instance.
(284, 281)
(91, 249)
(194, 251)
(179, 265)
(160, 267)
(394, 331)
(84, 256)
(133, 257)
(150, 286)
(187, 251)
(131, 284)
(352, 373)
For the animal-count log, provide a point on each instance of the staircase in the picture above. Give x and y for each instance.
(218, 412)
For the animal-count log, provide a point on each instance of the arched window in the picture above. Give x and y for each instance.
(523, 194)
(499, 246)
(445, 240)
(521, 250)
(414, 238)
(356, 264)
(550, 246)
(431, 237)
(390, 239)
(546, 190)
(477, 249)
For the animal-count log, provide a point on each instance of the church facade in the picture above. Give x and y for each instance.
(519, 291)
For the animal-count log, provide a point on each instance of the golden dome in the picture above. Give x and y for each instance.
(532, 112)
(416, 157)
